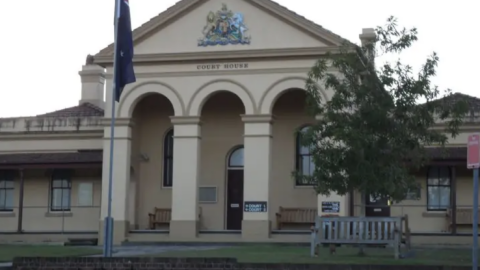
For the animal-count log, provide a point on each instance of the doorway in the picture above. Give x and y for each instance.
(377, 206)
(235, 189)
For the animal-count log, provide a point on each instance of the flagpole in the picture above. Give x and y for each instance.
(108, 237)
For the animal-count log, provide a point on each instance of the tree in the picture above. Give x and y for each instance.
(373, 131)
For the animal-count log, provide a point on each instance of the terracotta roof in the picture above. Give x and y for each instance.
(52, 158)
(83, 110)
(178, 8)
(473, 103)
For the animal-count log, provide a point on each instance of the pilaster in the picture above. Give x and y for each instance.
(257, 173)
(121, 180)
(186, 171)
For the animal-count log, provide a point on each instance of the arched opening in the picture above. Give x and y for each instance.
(234, 190)
(222, 128)
(152, 155)
(288, 155)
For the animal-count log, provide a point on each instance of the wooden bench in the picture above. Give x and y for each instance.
(296, 215)
(162, 216)
(360, 231)
(464, 217)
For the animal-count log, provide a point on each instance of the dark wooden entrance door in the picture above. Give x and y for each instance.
(377, 206)
(234, 199)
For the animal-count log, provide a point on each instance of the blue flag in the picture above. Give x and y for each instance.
(123, 65)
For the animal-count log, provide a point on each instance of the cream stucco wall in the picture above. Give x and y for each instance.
(37, 216)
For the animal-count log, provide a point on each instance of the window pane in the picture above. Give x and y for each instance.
(66, 198)
(304, 150)
(9, 184)
(3, 184)
(307, 165)
(3, 199)
(168, 151)
(444, 176)
(60, 199)
(56, 183)
(438, 197)
(168, 173)
(9, 199)
(433, 176)
(236, 158)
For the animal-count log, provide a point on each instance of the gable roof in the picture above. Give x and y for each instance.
(184, 6)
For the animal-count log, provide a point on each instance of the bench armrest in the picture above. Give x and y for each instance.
(151, 215)
(278, 214)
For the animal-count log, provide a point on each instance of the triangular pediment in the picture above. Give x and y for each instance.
(224, 25)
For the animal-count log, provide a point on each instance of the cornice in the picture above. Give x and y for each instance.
(258, 118)
(149, 75)
(185, 120)
(243, 55)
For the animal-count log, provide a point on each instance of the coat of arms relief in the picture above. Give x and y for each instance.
(224, 27)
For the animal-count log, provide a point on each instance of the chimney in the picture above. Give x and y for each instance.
(93, 81)
(368, 38)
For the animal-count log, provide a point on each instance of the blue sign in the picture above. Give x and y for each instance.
(255, 207)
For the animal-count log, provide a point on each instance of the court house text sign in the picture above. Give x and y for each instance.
(226, 66)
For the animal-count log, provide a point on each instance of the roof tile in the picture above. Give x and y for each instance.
(82, 110)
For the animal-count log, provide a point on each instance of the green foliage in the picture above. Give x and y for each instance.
(373, 131)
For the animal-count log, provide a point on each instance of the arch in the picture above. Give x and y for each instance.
(235, 157)
(267, 101)
(130, 99)
(200, 96)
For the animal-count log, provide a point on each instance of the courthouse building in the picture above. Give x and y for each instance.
(205, 141)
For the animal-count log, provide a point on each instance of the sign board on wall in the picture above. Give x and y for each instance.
(330, 207)
(255, 207)
(473, 151)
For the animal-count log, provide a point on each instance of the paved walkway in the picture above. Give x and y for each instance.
(130, 251)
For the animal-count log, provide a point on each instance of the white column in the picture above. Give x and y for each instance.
(186, 159)
(121, 181)
(257, 171)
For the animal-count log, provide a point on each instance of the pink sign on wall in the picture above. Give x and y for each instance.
(473, 151)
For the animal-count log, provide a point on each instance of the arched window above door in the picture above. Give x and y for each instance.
(236, 158)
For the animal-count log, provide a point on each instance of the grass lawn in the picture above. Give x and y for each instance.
(344, 255)
(8, 252)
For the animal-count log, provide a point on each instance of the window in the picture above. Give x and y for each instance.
(61, 190)
(6, 192)
(304, 159)
(236, 158)
(168, 159)
(438, 188)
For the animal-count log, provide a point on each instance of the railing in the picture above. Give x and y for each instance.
(41, 219)
(358, 231)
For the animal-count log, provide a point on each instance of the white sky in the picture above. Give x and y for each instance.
(45, 43)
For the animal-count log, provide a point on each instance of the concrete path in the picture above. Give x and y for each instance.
(129, 251)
